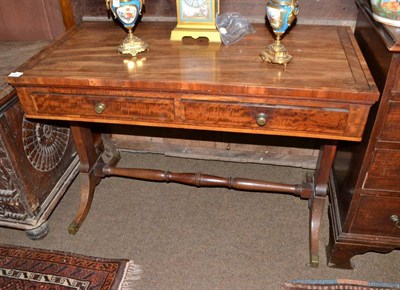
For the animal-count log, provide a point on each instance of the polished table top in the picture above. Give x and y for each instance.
(327, 73)
(325, 60)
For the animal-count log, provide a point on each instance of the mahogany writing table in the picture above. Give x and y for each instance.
(325, 92)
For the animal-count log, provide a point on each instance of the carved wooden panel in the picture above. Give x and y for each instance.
(44, 144)
(33, 158)
(10, 198)
(40, 174)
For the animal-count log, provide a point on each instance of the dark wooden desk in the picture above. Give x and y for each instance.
(365, 195)
(326, 93)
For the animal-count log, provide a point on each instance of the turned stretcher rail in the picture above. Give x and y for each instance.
(201, 180)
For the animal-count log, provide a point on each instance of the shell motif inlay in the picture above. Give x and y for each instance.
(44, 144)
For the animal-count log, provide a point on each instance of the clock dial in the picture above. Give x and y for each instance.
(196, 11)
(195, 3)
(196, 18)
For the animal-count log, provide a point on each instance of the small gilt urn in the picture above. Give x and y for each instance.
(280, 15)
(127, 12)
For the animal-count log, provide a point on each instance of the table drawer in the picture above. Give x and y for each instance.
(384, 171)
(391, 126)
(268, 117)
(92, 106)
(377, 215)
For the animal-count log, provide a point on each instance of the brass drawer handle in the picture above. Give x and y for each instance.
(99, 108)
(396, 219)
(261, 119)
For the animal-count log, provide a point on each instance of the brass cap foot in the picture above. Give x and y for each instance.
(73, 228)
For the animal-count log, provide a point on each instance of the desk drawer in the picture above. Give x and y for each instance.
(391, 126)
(131, 108)
(376, 215)
(384, 171)
(267, 117)
(273, 116)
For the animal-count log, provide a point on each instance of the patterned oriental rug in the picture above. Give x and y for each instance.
(27, 268)
(339, 284)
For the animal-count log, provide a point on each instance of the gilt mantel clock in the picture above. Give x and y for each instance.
(196, 18)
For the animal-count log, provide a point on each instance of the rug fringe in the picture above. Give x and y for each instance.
(132, 273)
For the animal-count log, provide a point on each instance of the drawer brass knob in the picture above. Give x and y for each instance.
(396, 219)
(100, 107)
(261, 119)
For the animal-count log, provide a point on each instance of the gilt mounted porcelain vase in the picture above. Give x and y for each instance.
(127, 12)
(280, 15)
(386, 11)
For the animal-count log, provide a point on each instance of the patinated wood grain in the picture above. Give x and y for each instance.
(322, 69)
(326, 90)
